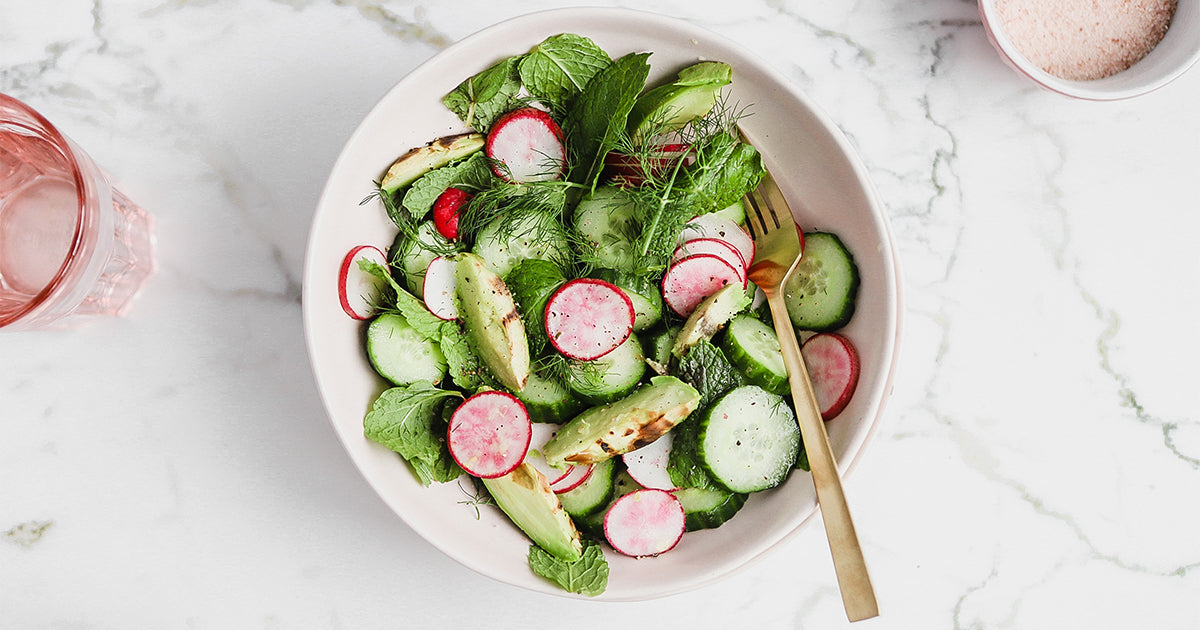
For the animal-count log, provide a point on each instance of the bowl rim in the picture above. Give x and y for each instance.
(1083, 90)
(894, 308)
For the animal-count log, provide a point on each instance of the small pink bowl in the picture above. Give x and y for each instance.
(1178, 50)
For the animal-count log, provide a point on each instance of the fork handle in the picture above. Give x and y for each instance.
(858, 596)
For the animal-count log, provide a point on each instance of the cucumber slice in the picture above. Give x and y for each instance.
(749, 440)
(401, 354)
(514, 237)
(821, 291)
(644, 293)
(594, 493)
(548, 400)
(610, 377)
(413, 255)
(753, 348)
(706, 508)
(605, 220)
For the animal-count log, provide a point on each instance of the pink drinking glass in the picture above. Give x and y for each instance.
(70, 245)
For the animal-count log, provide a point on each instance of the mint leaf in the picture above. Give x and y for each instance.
(706, 368)
(471, 174)
(483, 97)
(593, 126)
(409, 420)
(683, 463)
(586, 576)
(466, 369)
(724, 171)
(556, 70)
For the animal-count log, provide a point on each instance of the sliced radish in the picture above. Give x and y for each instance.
(627, 170)
(715, 246)
(446, 210)
(833, 367)
(541, 433)
(527, 145)
(576, 475)
(587, 318)
(687, 282)
(489, 434)
(440, 288)
(359, 291)
(648, 465)
(712, 225)
(644, 523)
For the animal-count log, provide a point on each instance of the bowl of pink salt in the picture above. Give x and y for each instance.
(1095, 49)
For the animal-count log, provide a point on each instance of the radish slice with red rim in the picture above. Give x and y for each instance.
(587, 318)
(648, 465)
(489, 434)
(440, 288)
(359, 291)
(713, 225)
(576, 474)
(833, 368)
(715, 246)
(527, 145)
(644, 523)
(687, 282)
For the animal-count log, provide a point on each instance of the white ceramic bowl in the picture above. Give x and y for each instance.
(815, 166)
(1178, 51)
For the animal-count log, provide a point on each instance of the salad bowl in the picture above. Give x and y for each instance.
(818, 171)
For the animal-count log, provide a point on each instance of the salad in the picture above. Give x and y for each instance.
(565, 316)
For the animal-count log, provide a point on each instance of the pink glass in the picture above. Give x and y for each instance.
(70, 245)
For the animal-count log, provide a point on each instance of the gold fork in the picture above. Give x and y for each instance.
(777, 253)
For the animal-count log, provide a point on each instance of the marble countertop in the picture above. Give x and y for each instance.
(1038, 465)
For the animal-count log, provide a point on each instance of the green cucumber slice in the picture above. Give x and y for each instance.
(605, 221)
(610, 377)
(749, 440)
(508, 240)
(594, 493)
(401, 354)
(548, 400)
(821, 291)
(752, 347)
(706, 508)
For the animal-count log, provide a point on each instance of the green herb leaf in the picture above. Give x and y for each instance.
(465, 367)
(586, 576)
(684, 464)
(726, 169)
(706, 368)
(406, 304)
(482, 98)
(409, 420)
(556, 70)
(472, 174)
(595, 124)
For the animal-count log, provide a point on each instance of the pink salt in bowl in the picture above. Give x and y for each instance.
(1177, 51)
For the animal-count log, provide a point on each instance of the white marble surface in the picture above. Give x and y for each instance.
(1039, 466)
